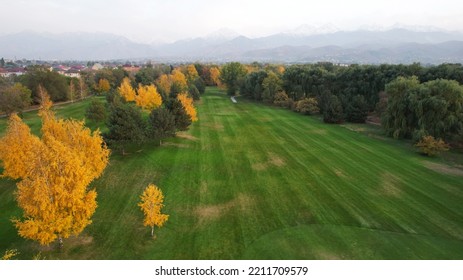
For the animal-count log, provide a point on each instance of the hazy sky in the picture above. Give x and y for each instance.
(168, 20)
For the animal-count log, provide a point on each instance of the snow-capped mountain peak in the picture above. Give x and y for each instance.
(222, 34)
(306, 30)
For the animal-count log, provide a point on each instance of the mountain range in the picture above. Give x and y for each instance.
(303, 44)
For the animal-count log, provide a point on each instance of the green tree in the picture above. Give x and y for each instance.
(194, 92)
(232, 75)
(182, 119)
(96, 111)
(333, 112)
(271, 85)
(14, 98)
(125, 124)
(55, 84)
(399, 119)
(147, 75)
(161, 124)
(252, 85)
(200, 85)
(357, 110)
(439, 109)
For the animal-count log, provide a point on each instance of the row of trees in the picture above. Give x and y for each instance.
(415, 109)
(408, 108)
(299, 89)
(169, 106)
(169, 80)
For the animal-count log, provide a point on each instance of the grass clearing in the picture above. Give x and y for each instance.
(248, 181)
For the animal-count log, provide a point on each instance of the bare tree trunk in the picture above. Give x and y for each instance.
(60, 240)
(152, 231)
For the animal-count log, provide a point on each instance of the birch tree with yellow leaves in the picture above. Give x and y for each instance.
(179, 82)
(126, 90)
(214, 73)
(191, 73)
(151, 204)
(148, 97)
(187, 103)
(164, 84)
(54, 173)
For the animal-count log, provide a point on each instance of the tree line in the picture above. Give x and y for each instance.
(149, 112)
(411, 101)
(17, 93)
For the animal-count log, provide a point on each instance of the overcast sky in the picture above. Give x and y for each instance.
(168, 20)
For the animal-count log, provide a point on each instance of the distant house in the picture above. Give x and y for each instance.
(97, 66)
(131, 69)
(8, 72)
(72, 73)
(78, 67)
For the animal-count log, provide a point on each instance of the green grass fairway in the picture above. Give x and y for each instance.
(249, 181)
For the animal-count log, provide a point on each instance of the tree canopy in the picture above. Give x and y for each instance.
(232, 75)
(54, 174)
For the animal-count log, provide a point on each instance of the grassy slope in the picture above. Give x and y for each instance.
(250, 181)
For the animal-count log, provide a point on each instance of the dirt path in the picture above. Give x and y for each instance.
(37, 107)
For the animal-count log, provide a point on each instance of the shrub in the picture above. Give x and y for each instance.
(429, 146)
(307, 106)
(281, 99)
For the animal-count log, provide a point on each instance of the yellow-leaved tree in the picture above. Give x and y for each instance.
(151, 204)
(164, 83)
(103, 86)
(17, 148)
(214, 74)
(126, 90)
(191, 73)
(187, 103)
(54, 173)
(148, 97)
(179, 82)
(9, 254)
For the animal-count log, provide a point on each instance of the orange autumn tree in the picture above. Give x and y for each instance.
(103, 86)
(164, 84)
(54, 173)
(214, 73)
(179, 82)
(148, 97)
(151, 205)
(191, 73)
(17, 148)
(187, 103)
(126, 90)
